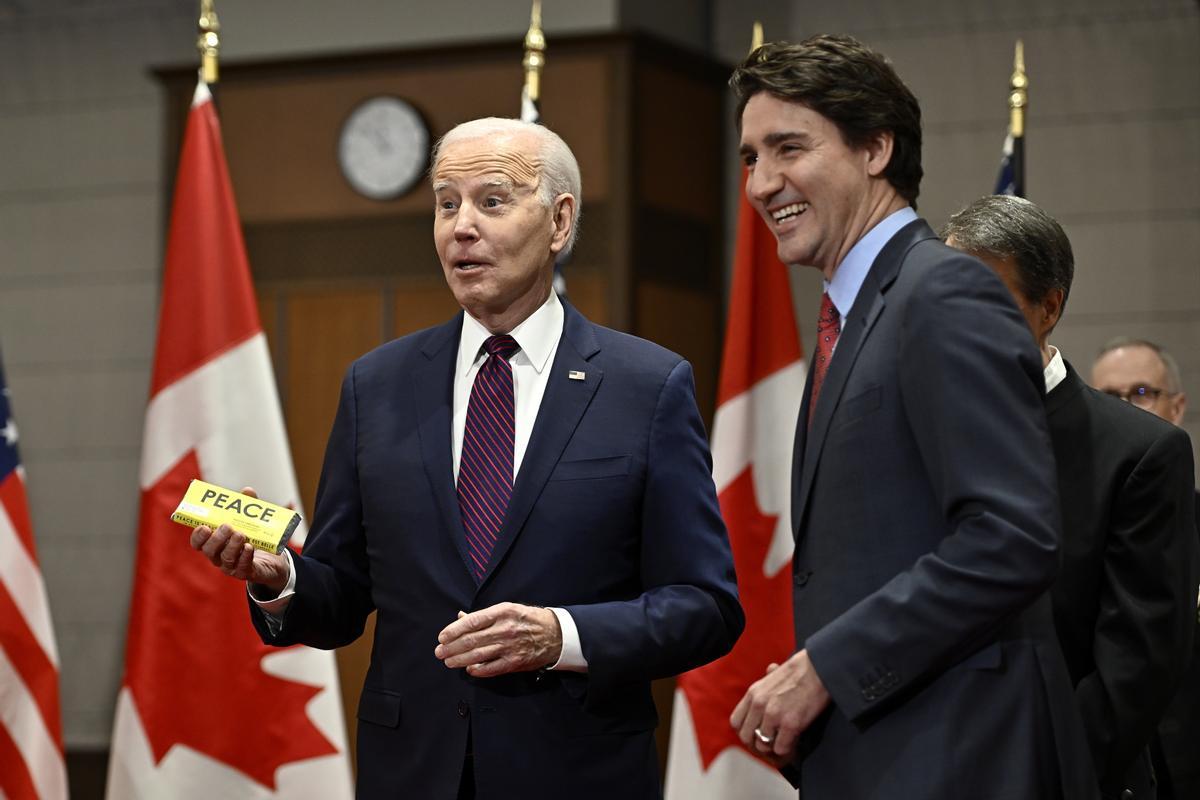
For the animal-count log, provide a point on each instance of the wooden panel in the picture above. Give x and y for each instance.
(588, 292)
(326, 331)
(282, 133)
(422, 304)
(685, 321)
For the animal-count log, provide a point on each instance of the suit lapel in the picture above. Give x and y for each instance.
(433, 385)
(562, 408)
(868, 306)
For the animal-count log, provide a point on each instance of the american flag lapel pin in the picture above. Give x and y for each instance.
(576, 375)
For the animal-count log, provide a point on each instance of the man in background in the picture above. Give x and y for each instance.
(1124, 598)
(1148, 377)
(923, 483)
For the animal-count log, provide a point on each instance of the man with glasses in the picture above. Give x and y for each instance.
(1142, 373)
(1124, 601)
(1148, 376)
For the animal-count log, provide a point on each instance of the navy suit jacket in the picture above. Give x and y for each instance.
(613, 516)
(927, 535)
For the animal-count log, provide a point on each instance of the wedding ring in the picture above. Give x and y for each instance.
(762, 737)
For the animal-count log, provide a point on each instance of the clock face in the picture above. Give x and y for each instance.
(383, 148)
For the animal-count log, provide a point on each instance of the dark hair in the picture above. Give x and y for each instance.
(849, 84)
(1002, 226)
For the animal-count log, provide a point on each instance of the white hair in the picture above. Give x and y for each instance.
(560, 170)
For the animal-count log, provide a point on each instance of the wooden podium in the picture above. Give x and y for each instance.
(338, 274)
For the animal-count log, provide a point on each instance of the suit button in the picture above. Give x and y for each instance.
(1127, 794)
(464, 709)
(802, 577)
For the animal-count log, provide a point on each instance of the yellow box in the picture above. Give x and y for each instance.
(265, 525)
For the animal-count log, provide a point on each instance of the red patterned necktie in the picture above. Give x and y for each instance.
(485, 471)
(829, 326)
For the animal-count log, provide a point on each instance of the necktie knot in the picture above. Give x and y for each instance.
(503, 346)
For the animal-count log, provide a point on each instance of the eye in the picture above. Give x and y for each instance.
(749, 160)
(492, 202)
(446, 205)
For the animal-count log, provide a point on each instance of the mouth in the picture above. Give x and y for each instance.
(466, 265)
(782, 216)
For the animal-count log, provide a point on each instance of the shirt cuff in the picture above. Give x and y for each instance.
(571, 658)
(275, 606)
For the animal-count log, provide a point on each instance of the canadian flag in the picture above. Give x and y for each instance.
(758, 402)
(205, 709)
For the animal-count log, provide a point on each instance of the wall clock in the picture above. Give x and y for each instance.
(383, 148)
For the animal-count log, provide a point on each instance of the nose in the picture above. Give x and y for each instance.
(465, 229)
(763, 182)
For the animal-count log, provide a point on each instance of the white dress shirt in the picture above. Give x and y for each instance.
(538, 336)
(1055, 371)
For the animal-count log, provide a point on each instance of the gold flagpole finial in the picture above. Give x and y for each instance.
(756, 38)
(1018, 96)
(209, 41)
(535, 53)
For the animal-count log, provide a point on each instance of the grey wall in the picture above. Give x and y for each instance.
(1114, 131)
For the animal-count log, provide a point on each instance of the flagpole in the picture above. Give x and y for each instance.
(535, 54)
(756, 36)
(208, 42)
(1018, 101)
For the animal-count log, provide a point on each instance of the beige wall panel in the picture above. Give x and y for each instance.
(282, 135)
(53, 58)
(87, 321)
(71, 236)
(1116, 67)
(52, 416)
(281, 27)
(1147, 267)
(81, 149)
(863, 17)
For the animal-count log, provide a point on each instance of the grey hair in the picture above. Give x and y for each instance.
(1174, 376)
(560, 170)
(1003, 226)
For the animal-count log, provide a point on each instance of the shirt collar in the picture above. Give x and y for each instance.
(850, 274)
(1056, 371)
(537, 335)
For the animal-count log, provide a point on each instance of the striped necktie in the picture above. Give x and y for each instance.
(485, 471)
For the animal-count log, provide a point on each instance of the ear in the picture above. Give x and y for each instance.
(1178, 408)
(879, 152)
(1051, 306)
(563, 219)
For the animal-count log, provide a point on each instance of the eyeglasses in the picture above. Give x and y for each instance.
(1141, 396)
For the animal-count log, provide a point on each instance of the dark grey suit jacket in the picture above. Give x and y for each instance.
(927, 535)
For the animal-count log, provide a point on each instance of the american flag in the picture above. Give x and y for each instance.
(31, 744)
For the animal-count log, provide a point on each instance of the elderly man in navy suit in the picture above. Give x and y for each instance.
(927, 524)
(524, 498)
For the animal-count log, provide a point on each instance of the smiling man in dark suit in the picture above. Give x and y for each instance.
(526, 500)
(1124, 601)
(923, 485)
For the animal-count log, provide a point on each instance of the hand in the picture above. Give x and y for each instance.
(781, 705)
(503, 638)
(229, 551)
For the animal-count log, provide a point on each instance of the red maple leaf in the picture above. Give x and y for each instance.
(193, 660)
(713, 690)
